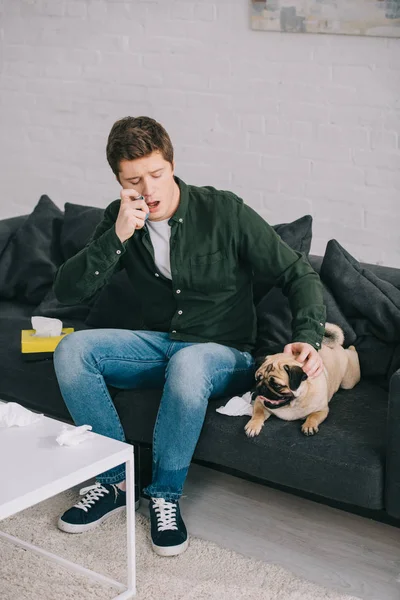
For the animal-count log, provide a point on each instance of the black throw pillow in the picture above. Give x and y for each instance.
(78, 226)
(29, 261)
(362, 295)
(7, 229)
(297, 234)
(371, 306)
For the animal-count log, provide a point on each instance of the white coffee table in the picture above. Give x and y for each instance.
(36, 467)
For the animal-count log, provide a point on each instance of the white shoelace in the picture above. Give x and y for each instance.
(92, 494)
(166, 514)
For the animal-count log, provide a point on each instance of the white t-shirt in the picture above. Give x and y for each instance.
(160, 234)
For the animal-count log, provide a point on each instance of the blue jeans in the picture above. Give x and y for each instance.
(189, 373)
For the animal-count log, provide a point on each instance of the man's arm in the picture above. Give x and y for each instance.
(268, 255)
(81, 276)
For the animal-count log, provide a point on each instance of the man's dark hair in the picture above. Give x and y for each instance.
(135, 137)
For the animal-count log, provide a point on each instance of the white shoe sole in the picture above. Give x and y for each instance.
(72, 528)
(171, 550)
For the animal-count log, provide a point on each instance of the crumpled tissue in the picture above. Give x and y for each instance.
(46, 326)
(74, 436)
(237, 406)
(12, 413)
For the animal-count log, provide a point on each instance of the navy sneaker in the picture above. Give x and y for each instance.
(168, 532)
(100, 501)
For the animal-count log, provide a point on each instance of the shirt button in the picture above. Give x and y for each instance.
(178, 291)
(180, 220)
(174, 331)
(317, 344)
(118, 251)
(321, 324)
(156, 274)
(96, 273)
(179, 312)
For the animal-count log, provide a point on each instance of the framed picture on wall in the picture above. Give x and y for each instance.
(352, 17)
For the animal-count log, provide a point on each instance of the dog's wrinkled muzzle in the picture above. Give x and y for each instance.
(271, 399)
(283, 401)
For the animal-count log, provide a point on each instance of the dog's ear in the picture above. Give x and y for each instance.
(296, 376)
(259, 359)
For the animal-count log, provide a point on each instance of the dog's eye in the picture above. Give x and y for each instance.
(259, 377)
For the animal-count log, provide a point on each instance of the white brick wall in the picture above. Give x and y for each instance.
(294, 124)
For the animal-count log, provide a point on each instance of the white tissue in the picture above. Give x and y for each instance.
(73, 436)
(46, 327)
(12, 413)
(237, 406)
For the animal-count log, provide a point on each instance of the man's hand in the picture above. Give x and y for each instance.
(306, 353)
(132, 214)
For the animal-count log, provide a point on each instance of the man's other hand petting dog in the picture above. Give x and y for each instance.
(283, 388)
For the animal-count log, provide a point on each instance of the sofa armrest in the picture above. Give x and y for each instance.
(392, 491)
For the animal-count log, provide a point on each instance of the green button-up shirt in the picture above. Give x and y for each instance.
(217, 244)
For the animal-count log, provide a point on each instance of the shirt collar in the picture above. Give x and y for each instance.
(180, 212)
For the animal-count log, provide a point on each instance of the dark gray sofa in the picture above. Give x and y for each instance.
(353, 463)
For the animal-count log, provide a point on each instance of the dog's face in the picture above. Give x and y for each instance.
(279, 380)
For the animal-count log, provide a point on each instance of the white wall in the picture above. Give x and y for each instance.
(293, 123)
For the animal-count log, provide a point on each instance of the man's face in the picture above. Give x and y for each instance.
(152, 177)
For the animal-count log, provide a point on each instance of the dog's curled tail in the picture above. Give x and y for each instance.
(333, 335)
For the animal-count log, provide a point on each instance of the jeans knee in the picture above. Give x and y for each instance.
(69, 349)
(188, 374)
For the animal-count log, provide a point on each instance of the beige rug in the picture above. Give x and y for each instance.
(204, 572)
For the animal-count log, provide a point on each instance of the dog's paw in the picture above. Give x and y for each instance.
(253, 428)
(308, 429)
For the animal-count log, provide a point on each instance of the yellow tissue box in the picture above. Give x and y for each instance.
(33, 347)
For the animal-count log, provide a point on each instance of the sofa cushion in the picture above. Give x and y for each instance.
(78, 226)
(29, 261)
(384, 359)
(297, 234)
(345, 461)
(370, 304)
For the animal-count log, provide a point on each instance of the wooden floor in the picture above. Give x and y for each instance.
(341, 551)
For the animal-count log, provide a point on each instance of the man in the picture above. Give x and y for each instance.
(190, 252)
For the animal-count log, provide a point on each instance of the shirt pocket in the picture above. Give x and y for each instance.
(209, 271)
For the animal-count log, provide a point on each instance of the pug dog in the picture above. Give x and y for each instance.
(283, 389)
